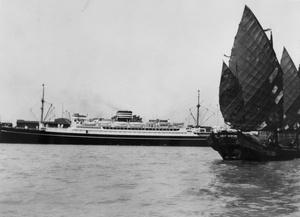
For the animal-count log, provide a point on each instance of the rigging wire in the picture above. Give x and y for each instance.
(49, 110)
(187, 107)
(202, 121)
(33, 100)
(33, 115)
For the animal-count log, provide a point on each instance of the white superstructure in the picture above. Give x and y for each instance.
(85, 125)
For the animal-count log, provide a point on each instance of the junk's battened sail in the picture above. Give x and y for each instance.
(254, 64)
(230, 96)
(291, 90)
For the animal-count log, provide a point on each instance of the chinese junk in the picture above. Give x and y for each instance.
(259, 98)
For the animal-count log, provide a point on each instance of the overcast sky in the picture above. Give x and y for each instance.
(149, 56)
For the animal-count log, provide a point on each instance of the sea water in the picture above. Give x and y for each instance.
(69, 180)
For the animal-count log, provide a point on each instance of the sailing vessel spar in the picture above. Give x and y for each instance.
(257, 94)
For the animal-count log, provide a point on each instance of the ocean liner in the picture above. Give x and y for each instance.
(259, 98)
(122, 129)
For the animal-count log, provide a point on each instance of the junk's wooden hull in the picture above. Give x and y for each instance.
(239, 146)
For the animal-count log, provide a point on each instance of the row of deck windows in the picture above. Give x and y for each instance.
(115, 131)
(125, 128)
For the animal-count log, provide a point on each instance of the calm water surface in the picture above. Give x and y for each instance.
(53, 180)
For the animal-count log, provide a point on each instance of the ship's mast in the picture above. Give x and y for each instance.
(198, 106)
(42, 109)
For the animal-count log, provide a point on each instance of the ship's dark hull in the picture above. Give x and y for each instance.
(238, 146)
(32, 136)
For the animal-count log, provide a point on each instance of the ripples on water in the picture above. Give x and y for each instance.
(53, 180)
